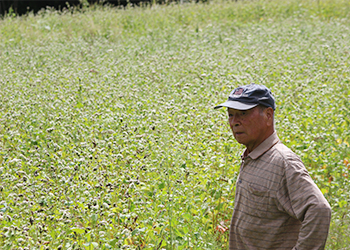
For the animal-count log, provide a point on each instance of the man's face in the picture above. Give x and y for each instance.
(250, 127)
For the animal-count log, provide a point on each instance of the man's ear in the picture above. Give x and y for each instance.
(269, 115)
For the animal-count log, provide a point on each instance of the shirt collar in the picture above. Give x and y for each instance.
(264, 146)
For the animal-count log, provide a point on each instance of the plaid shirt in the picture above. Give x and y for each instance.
(277, 205)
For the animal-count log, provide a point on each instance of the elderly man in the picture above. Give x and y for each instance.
(277, 205)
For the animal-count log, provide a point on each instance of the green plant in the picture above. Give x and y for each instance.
(108, 139)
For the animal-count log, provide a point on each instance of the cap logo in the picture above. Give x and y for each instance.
(237, 93)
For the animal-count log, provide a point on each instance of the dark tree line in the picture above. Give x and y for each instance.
(20, 7)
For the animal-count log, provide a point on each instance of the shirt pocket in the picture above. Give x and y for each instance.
(258, 199)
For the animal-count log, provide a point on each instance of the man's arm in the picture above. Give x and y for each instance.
(302, 199)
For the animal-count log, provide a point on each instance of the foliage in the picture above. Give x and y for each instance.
(108, 139)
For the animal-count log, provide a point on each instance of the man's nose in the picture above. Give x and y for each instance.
(233, 120)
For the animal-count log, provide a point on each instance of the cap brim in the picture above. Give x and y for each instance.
(236, 105)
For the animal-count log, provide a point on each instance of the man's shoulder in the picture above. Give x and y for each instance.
(283, 150)
(280, 152)
(282, 155)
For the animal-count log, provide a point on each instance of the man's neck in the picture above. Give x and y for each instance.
(247, 151)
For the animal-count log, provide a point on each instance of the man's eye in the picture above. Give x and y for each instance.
(243, 113)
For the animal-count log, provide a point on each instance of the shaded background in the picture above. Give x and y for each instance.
(21, 7)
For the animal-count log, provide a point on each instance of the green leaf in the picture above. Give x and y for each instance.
(113, 242)
(187, 216)
(342, 203)
(78, 230)
(91, 245)
(94, 218)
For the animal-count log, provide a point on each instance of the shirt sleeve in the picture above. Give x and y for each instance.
(299, 196)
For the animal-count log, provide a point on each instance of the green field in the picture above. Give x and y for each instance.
(108, 137)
